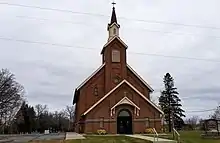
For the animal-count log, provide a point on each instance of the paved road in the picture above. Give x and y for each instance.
(32, 137)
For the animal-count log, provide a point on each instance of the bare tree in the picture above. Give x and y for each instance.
(192, 122)
(40, 109)
(70, 114)
(216, 114)
(11, 93)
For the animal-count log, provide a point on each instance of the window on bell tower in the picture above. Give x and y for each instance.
(114, 31)
(115, 56)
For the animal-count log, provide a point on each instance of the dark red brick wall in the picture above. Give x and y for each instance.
(104, 81)
(136, 82)
(87, 97)
(113, 69)
(103, 110)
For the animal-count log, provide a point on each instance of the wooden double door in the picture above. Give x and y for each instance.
(124, 122)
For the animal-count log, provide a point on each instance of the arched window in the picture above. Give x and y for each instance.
(147, 122)
(124, 113)
(114, 31)
(101, 125)
(115, 55)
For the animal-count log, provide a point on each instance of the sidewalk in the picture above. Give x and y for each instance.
(160, 140)
(73, 136)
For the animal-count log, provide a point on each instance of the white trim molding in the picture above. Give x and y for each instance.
(115, 37)
(125, 100)
(87, 79)
(141, 79)
(124, 81)
(109, 26)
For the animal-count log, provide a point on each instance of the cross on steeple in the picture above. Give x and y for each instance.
(113, 18)
(113, 3)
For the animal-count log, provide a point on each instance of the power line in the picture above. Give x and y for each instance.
(148, 30)
(80, 47)
(43, 43)
(177, 57)
(101, 15)
(203, 110)
(54, 20)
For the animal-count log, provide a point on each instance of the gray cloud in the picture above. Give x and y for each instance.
(50, 73)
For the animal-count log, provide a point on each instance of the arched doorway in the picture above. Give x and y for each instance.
(124, 122)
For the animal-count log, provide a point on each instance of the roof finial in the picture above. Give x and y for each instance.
(113, 3)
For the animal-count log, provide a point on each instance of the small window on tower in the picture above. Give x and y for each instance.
(114, 31)
(115, 56)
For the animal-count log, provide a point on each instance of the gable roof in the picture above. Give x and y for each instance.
(125, 100)
(87, 79)
(124, 81)
(115, 37)
(141, 79)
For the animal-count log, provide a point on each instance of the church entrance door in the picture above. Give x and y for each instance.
(124, 122)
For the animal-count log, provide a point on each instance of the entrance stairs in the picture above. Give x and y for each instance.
(152, 139)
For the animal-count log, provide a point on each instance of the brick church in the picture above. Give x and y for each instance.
(115, 97)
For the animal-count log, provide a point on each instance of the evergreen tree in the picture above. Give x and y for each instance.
(29, 120)
(170, 103)
(26, 120)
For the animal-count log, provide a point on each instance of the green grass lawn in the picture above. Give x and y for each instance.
(108, 139)
(99, 139)
(194, 137)
(185, 136)
(191, 137)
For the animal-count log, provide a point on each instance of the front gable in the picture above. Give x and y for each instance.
(125, 100)
(115, 88)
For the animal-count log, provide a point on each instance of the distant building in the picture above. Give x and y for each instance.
(115, 97)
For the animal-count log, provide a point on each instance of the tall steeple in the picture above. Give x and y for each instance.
(113, 18)
(113, 26)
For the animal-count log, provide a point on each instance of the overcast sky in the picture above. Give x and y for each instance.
(50, 73)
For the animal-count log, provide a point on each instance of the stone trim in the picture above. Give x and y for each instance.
(155, 119)
(114, 120)
(98, 120)
(125, 100)
(144, 119)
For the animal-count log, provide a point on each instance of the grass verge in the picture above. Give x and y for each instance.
(99, 139)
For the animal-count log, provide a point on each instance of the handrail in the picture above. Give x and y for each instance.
(154, 130)
(178, 135)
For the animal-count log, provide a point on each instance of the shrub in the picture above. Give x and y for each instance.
(149, 131)
(101, 132)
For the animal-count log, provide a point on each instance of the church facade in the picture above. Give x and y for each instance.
(115, 98)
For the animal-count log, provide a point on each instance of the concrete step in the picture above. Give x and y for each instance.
(160, 140)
